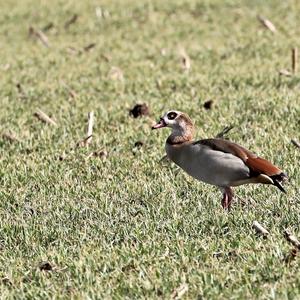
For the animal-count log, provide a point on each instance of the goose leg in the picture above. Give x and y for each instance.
(227, 197)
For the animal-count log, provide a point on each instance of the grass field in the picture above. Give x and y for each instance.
(128, 225)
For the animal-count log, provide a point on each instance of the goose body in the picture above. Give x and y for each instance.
(216, 161)
(207, 165)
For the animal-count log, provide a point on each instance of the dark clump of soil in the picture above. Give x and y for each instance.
(45, 266)
(138, 144)
(208, 104)
(139, 110)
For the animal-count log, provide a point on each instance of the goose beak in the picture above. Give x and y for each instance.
(160, 124)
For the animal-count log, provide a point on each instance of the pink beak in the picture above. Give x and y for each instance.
(160, 124)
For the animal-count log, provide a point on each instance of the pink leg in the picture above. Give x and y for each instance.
(227, 198)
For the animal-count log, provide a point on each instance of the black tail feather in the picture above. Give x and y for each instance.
(278, 179)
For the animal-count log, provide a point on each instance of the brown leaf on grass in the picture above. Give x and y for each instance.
(185, 59)
(267, 24)
(89, 47)
(208, 104)
(71, 92)
(45, 266)
(296, 143)
(291, 238)
(39, 35)
(138, 144)
(73, 50)
(139, 110)
(291, 255)
(44, 118)
(285, 72)
(71, 21)
(10, 136)
(180, 291)
(102, 153)
(116, 73)
(6, 281)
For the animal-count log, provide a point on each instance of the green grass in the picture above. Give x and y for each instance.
(130, 226)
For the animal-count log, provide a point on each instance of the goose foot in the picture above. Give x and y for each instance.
(227, 198)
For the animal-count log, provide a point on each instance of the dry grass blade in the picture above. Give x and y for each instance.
(10, 136)
(39, 35)
(90, 128)
(116, 73)
(221, 134)
(185, 59)
(297, 144)
(294, 60)
(260, 229)
(44, 117)
(291, 238)
(71, 21)
(285, 72)
(267, 24)
(180, 291)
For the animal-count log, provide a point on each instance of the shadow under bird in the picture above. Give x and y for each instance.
(216, 161)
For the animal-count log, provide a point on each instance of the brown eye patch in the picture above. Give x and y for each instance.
(171, 115)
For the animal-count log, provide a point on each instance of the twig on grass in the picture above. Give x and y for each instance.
(185, 59)
(260, 229)
(267, 23)
(90, 128)
(285, 72)
(221, 134)
(82, 142)
(294, 60)
(296, 143)
(291, 238)
(44, 118)
(39, 35)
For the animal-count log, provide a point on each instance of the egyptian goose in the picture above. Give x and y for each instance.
(216, 161)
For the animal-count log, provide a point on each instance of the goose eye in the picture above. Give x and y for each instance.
(171, 115)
